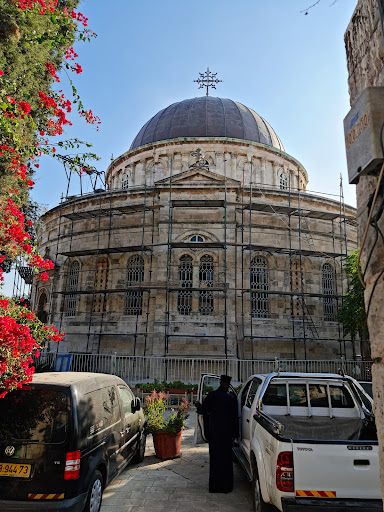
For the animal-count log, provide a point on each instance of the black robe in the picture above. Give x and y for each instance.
(221, 426)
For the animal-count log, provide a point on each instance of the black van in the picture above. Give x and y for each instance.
(63, 437)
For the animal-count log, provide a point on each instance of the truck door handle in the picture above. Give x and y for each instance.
(247, 420)
(361, 462)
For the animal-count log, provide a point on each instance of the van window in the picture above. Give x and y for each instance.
(98, 410)
(35, 415)
(126, 398)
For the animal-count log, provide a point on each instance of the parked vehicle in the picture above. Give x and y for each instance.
(63, 437)
(307, 443)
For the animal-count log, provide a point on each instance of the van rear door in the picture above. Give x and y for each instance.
(347, 470)
(34, 436)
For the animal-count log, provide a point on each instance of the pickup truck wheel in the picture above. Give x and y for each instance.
(259, 504)
(95, 493)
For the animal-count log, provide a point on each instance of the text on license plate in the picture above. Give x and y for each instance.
(19, 470)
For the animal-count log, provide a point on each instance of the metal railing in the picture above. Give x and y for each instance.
(135, 369)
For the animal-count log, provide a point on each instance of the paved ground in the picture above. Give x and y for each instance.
(175, 485)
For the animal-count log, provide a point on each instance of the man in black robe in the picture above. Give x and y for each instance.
(221, 428)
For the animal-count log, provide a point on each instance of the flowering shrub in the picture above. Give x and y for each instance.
(154, 409)
(21, 336)
(36, 40)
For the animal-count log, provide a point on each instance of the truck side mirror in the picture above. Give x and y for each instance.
(138, 404)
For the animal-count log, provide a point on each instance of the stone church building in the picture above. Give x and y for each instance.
(205, 243)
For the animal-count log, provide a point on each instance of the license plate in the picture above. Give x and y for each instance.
(18, 470)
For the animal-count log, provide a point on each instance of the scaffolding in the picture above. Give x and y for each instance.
(236, 233)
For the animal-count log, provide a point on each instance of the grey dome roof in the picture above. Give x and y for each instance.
(207, 116)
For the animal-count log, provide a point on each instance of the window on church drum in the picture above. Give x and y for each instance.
(259, 280)
(99, 300)
(328, 284)
(135, 275)
(206, 270)
(72, 287)
(125, 181)
(283, 181)
(196, 238)
(184, 297)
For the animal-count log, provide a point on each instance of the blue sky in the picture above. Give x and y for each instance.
(287, 66)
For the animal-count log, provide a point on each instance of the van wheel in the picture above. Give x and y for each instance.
(95, 493)
(140, 452)
(259, 504)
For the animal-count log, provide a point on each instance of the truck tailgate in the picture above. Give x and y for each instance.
(338, 470)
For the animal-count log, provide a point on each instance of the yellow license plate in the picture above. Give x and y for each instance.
(18, 470)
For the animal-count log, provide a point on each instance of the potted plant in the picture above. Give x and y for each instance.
(166, 432)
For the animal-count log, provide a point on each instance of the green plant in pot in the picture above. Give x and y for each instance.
(166, 432)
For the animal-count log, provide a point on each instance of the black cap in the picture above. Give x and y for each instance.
(225, 378)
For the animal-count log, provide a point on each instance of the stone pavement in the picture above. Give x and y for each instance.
(175, 485)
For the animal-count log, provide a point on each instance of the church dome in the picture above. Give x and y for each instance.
(207, 116)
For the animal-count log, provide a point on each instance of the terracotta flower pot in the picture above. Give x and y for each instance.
(167, 446)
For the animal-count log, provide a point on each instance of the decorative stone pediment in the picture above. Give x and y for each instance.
(198, 176)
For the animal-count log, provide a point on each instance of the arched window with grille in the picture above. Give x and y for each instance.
(99, 301)
(72, 288)
(196, 238)
(135, 275)
(206, 274)
(283, 181)
(328, 284)
(259, 280)
(184, 297)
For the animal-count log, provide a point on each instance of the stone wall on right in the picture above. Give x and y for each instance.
(364, 46)
(365, 60)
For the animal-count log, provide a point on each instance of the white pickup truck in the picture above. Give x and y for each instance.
(308, 442)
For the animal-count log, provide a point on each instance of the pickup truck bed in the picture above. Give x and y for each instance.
(308, 443)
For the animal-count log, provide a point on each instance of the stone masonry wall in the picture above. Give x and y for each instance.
(365, 61)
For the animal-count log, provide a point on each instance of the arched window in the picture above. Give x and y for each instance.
(135, 275)
(206, 273)
(99, 301)
(283, 181)
(184, 297)
(42, 314)
(196, 238)
(72, 287)
(328, 285)
(259, 280)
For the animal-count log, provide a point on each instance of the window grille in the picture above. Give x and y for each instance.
(184, 297)
(329, 288)
(259, 280)
(283, 181)
(99, 301)
(125, 181)
(196, 238)
(206, 273)
(135, 275)
(72, 286)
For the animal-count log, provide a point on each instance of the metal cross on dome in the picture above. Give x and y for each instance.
(207, 79)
